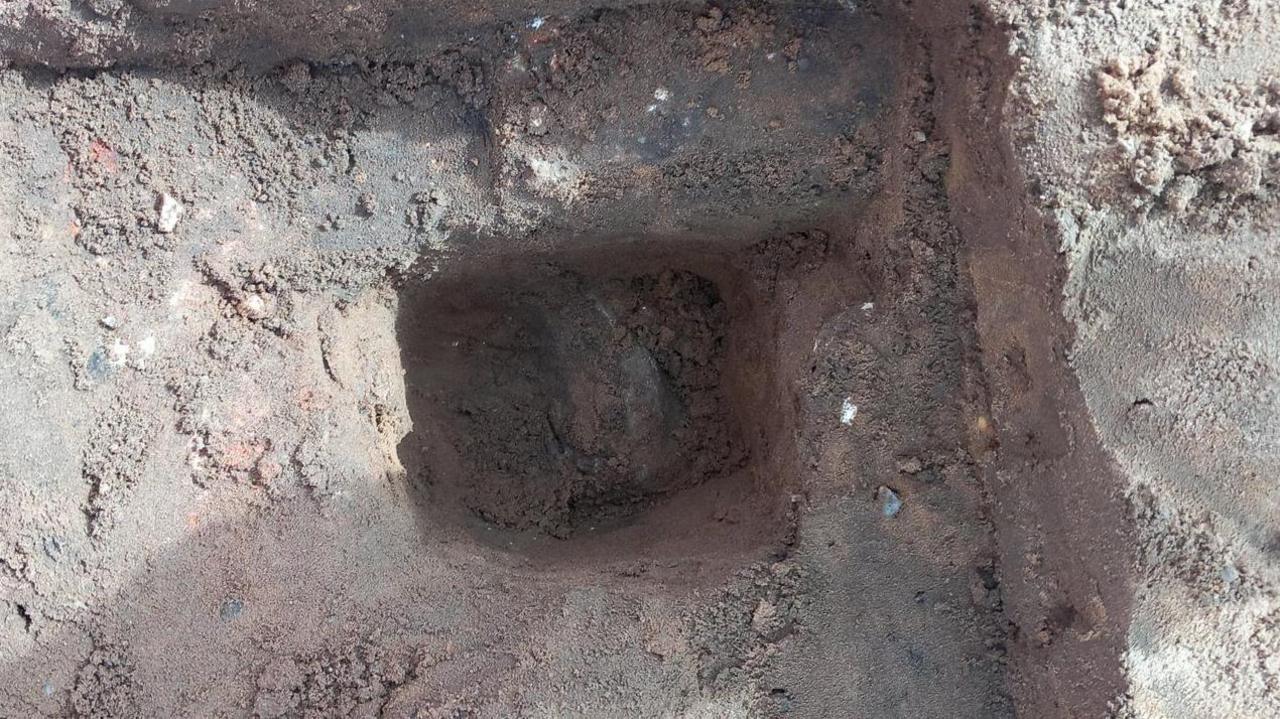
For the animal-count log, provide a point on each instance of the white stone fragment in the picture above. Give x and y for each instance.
(170, 212)
(256, 307)
(848, 411)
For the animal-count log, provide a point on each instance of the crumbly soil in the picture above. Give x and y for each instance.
(650, 359)
(563, 399)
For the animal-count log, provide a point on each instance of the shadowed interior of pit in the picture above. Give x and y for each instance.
(572, 395)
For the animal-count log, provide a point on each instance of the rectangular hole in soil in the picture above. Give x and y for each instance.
(580, 395)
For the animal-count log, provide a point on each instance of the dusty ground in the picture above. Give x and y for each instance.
(883, 359)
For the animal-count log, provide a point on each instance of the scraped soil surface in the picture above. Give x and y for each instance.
(610, 361)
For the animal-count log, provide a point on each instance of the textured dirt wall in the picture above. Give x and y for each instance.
(1067, 543)
(1147, 136)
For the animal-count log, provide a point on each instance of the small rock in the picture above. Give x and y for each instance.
(230, 609)
(1272, 663)
(170, 212)
(1230, 574)
(1182, 81)
(890, 502)
(52, 547)
(848, 411)
(1181, 192)
(255, 306)
(765, 611)
(539, 119)
(98, 367)
(110, 322)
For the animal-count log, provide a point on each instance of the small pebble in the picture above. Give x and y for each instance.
(848, 411)
(110, 322)
(1230, 574)
(230, 609)
(255, 307)
(890, 502)
(52, 547)
(97, 366)
(537, 124)
(765, 611)
(170, 212)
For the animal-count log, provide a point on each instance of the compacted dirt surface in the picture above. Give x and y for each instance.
(598, 359)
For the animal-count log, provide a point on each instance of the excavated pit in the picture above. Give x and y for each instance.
(578, 395)
(682, 410)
